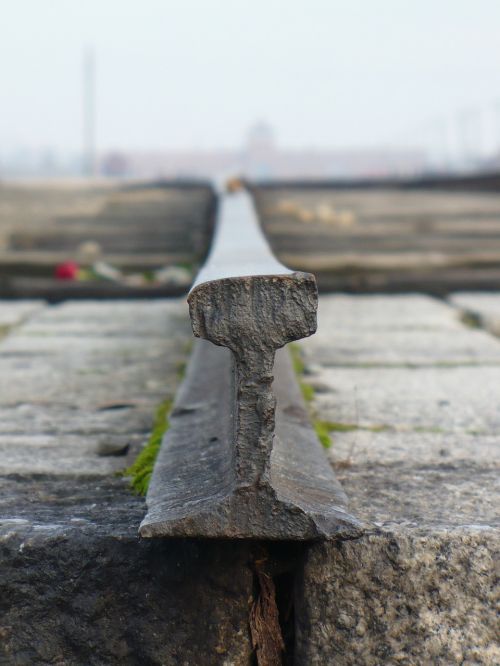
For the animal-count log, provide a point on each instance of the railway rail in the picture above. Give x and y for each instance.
(241, 459)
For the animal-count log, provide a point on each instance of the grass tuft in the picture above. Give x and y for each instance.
(141, 469)
(4, 330)
(320, 427)
(297, 359)
(300, 369)
(322, 433)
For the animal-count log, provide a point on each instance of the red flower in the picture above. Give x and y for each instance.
(68, 270)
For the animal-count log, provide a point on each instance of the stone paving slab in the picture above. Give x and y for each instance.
(64, 453)
(421, 447)
(379, 312)
(484, 307)
(15, 312)
(417, 451)
(78, 587)
(442, 399)
(396, 597)
(87, 380)
(394, 330)
(64, 385)
(425, 498)
(419, 461)
(45, 418)
(382, 347)
(131, 315)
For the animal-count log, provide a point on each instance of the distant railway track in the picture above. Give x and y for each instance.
(133, 228)
(480, 182)
(434, 235)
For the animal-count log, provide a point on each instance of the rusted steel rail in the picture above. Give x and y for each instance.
(241, 459)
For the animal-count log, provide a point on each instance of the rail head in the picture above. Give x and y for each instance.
(243, 297)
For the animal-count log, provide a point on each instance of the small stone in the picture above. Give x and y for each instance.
(111, 446)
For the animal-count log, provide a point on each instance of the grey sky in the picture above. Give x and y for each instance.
(197, 73)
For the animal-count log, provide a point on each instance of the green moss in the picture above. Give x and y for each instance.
(429, 429)
(297, 359)
(300, 369)
(188, 266)
(187, 347)
(323, 429)
(141, 469)
(323, 433)
(180, 369)
(335, 426)
(4, 329)
(471, 319)
(320, 427)
(307, 391)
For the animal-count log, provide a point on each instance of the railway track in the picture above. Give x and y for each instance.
(241, 459)
(406, 388)
(430, 235)
(136, 229)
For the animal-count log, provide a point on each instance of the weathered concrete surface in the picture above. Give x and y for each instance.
(422, 446)
(483, 308)
(75, 375)
(436, 398)
(382, 312)
(400, 597)
(406, 348)
(13, 313)
(394, 330)
(77, 585)
(416, 450)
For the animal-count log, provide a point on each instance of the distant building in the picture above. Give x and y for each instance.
(261, 157)
(114, 164)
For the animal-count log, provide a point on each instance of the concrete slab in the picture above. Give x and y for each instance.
(76, 583)
(399, 597)
(64, 453)
(363, 347)
(13, 313)
(49, 418)
(94, 379)
(65, 386)
(157, 318)
(419, 447)
(381, 312)
(436, 398)
(79, 587)
(395, 331)
(416, 449)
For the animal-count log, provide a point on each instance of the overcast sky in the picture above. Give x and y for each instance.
(198, 73)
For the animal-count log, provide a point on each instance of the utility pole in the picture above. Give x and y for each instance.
(496, 129)
(89, 138)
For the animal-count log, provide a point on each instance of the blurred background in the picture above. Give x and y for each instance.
(268, 88)
(352, 122)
